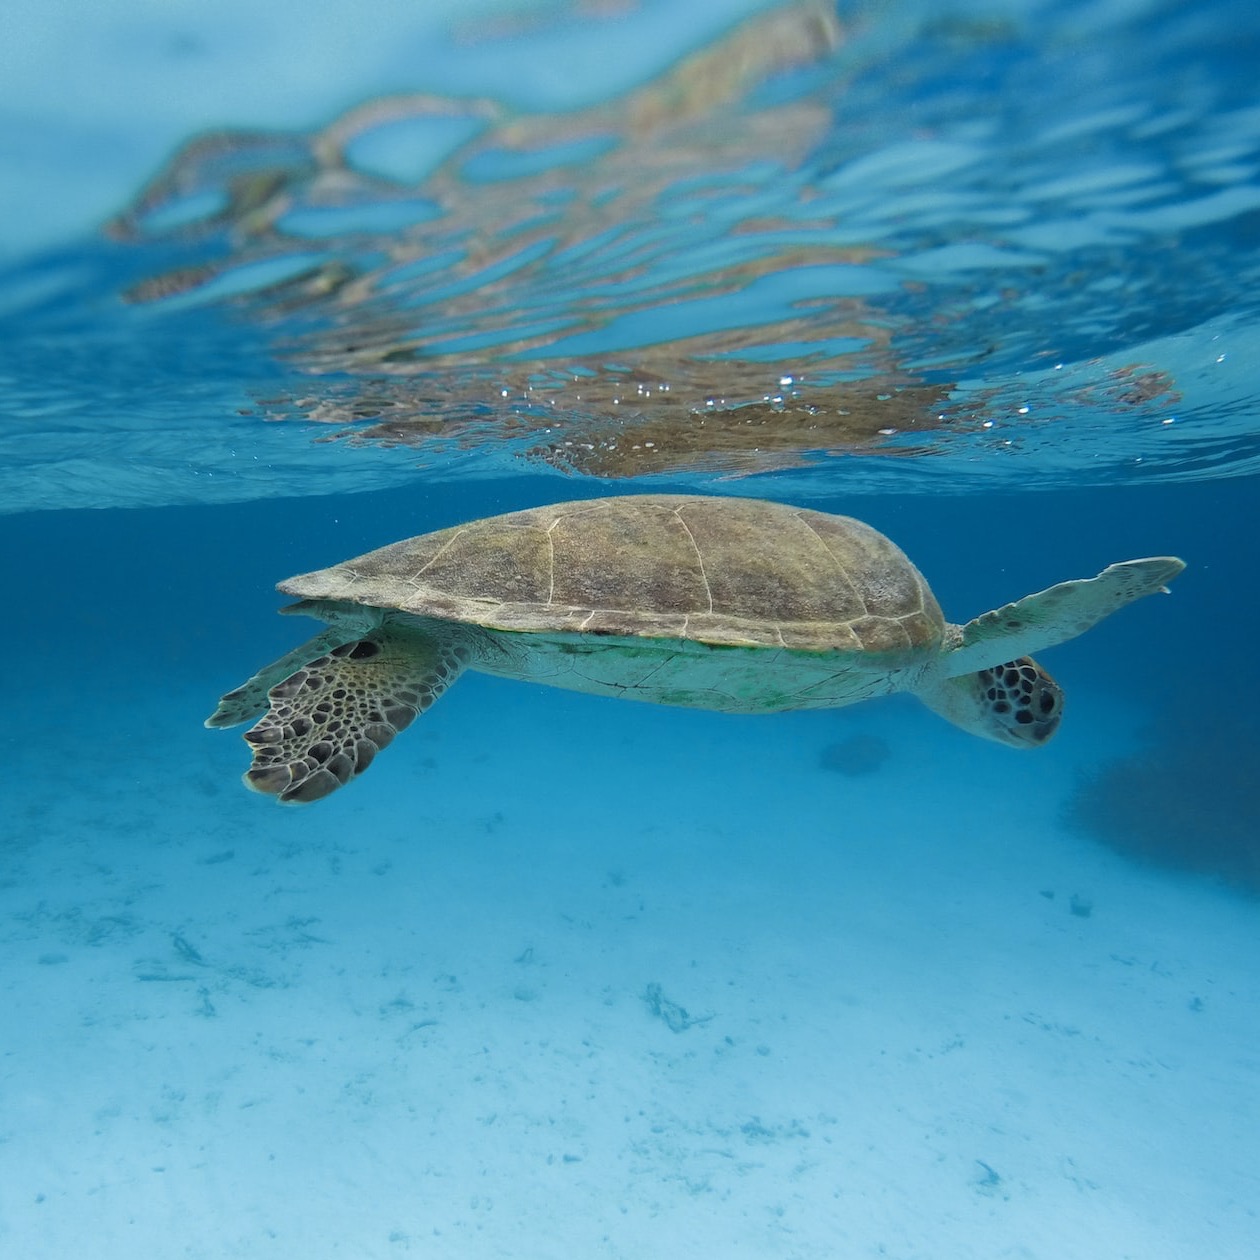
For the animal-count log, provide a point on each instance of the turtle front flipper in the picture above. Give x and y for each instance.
(329, 718)
(1055, 615)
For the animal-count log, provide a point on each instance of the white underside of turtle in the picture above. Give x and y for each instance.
(693, 675)
(714, 588)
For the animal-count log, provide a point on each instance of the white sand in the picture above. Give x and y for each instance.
(411, 1020)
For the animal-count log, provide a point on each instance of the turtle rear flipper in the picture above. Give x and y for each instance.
(250, 699)
(329, 718)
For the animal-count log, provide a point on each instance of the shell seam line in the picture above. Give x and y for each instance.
(442, 550)
(704, 577)
(839, 568)
(551, 563)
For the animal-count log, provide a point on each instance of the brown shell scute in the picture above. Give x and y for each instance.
(717, 570)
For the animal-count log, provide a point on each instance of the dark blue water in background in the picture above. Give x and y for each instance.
(937, 998)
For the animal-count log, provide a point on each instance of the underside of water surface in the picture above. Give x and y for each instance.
(906, 251)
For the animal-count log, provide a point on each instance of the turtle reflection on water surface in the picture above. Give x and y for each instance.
(736, 605)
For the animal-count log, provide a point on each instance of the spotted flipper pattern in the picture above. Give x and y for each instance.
(328, 719)
(250, 699)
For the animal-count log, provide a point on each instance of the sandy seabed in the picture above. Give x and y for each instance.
(567, 978)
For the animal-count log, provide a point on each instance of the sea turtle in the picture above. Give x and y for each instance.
(738, 605)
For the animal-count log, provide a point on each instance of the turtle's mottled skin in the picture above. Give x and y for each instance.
(738, 605)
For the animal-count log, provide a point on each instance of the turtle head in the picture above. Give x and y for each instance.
(1017, 703)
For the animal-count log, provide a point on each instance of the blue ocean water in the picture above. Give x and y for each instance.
(565, 977)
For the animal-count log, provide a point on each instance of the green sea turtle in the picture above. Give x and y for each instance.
(738, 605)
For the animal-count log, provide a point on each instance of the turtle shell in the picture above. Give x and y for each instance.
(720, 571)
